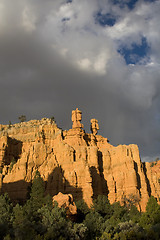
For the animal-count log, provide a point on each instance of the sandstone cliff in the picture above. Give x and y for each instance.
(82, 164)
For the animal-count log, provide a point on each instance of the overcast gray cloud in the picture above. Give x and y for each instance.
(56, 56)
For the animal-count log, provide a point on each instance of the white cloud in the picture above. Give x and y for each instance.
(1, 15)
(75, 61)
(65, 11)
(85, 63)
(97, 64)
(101, 62)
(28, 20)
(142, 88)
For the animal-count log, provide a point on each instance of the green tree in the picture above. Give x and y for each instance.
(110, 228)
(27, 220)
(22, 226)
(11, 164)
(102, 206)
(94, 222)
(22, 118)
(82, 210)
(52, 119)
(36, 201)
(130, 231)
(10, 124)
(130, 200)
(119, 212)
(152, 214)
(80, 231)
(7, 237)
(54, 222)
(152, 206)
(5, 215)
(37, 198)
(134, 214)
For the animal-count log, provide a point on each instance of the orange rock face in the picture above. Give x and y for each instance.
(66, 201)
(73, 162)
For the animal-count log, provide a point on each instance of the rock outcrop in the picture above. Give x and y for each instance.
(73, 162)
(66, 201)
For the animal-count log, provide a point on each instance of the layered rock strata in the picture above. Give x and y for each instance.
(73, 162)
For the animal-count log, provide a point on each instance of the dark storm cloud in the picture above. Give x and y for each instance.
(49, 67)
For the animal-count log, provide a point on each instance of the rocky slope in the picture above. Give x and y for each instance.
(83, 164)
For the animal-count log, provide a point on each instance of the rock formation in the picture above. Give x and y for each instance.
(73, 162)
(66, 201)
(94, 126)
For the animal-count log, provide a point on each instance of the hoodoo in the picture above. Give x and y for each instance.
(73, 162)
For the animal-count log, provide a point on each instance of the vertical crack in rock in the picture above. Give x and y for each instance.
(43, 136)
(95, 181)
(76, 179)
(138, 178)
(115, 187)
(127, 152)
(86, 161)
(56, 161)
(100, 163)
(27, 162)
(105, 190)
(99, 184)
(147, 180)
(74, 156)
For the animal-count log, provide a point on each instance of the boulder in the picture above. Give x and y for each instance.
(65, 201)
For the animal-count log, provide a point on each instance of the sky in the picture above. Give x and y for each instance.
(102, 56)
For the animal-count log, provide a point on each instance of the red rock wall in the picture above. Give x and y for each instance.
(84, 165)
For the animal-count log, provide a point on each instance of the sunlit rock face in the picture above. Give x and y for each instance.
(66, 201)
(73, 162)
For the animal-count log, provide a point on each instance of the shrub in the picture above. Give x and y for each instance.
(22, 118)
(11, 164)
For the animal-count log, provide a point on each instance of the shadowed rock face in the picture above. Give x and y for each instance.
(73, 162)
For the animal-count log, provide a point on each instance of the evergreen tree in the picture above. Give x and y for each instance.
(36, 201)
(82, 210)
(119, 212)
(54, 222)
(94, 223)
(134, 214)
(102, 206)
(37, 192)
(5, 215)
(22, 118)
(23, 228)
(152, 214)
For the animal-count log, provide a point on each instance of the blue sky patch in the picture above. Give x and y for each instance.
(65, 19)
(150, 0)
(122, 3)
(136, 53)
(105, 19)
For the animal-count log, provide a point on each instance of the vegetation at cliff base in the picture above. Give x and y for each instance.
(38, 219)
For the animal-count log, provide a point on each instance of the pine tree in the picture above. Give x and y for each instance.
(5, 214)
(37, 192)
(152, 214)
